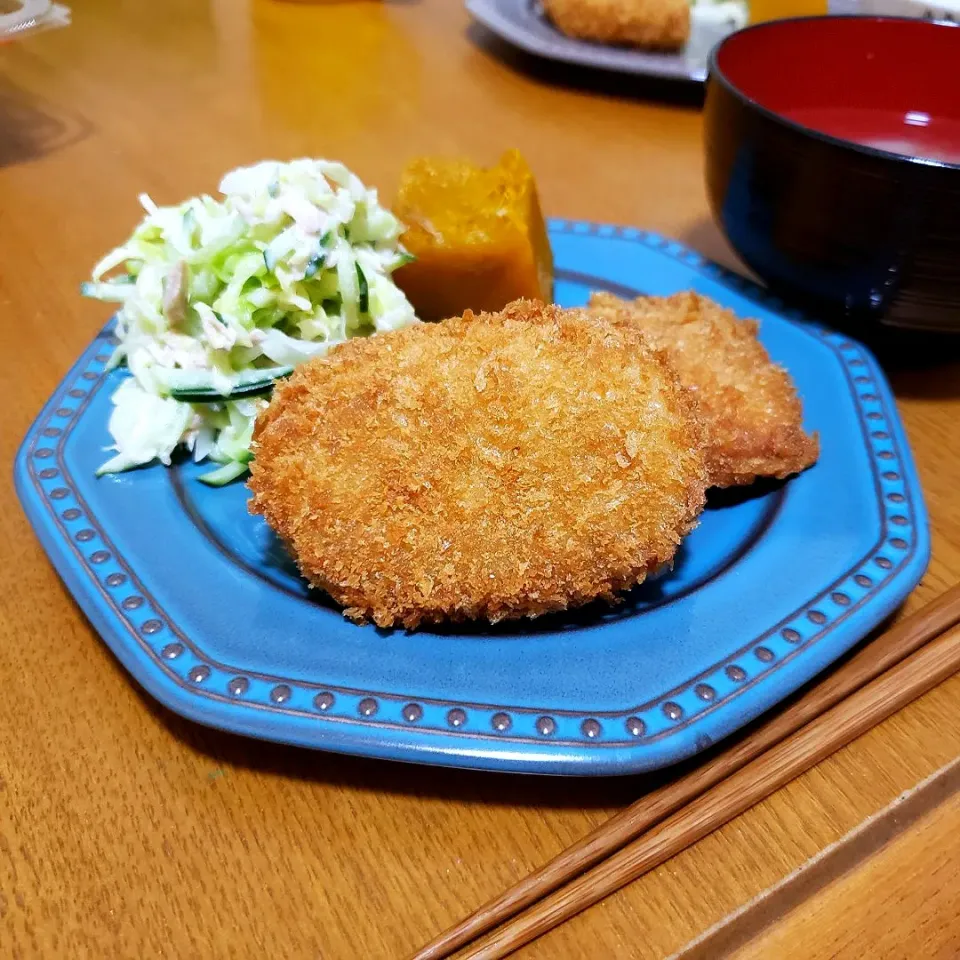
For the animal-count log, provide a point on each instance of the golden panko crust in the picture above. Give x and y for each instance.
(494, 466)
(752, 416)
(655, 24)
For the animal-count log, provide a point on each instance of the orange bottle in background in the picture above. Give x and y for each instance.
(761, 10)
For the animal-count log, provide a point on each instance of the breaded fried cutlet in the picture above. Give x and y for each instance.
(654, 24)
(491, 466)
(752, 416)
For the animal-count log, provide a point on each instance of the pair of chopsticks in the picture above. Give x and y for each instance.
(911, 658)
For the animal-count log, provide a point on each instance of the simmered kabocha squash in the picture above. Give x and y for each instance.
(477, 233)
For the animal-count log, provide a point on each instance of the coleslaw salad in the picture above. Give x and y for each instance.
(221, 297)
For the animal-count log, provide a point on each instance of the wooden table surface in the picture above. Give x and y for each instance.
(126, 831)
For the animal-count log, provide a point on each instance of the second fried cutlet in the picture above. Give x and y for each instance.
(749, 405)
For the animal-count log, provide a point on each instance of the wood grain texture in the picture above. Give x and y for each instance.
(882, 653)
(743, 789)
(128, 832)
(765, 913)
(918, 873)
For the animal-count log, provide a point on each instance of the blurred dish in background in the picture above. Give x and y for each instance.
(18, 18)
(524, 24)
(661, 38)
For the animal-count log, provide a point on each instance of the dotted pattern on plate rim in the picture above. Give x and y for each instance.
(674, 710)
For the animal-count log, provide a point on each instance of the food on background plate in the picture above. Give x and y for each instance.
(649, 24)
(657, 24)
(753, 419)
(221, 297)
(493, 466)
(477, 234)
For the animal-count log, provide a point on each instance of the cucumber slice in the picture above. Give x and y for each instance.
(363, 299)
(319, 259)
(223, 475)
(314, 264)
(197, 387)
(212, 396)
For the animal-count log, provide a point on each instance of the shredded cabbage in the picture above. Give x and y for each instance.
(295, 258)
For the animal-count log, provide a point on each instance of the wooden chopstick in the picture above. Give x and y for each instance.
(832, 730)
(888, 649)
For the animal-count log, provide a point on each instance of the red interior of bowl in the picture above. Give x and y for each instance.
(885, 83)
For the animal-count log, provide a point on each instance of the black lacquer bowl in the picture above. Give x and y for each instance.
(833, 164)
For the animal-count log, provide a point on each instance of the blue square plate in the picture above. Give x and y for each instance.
(203, 607)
